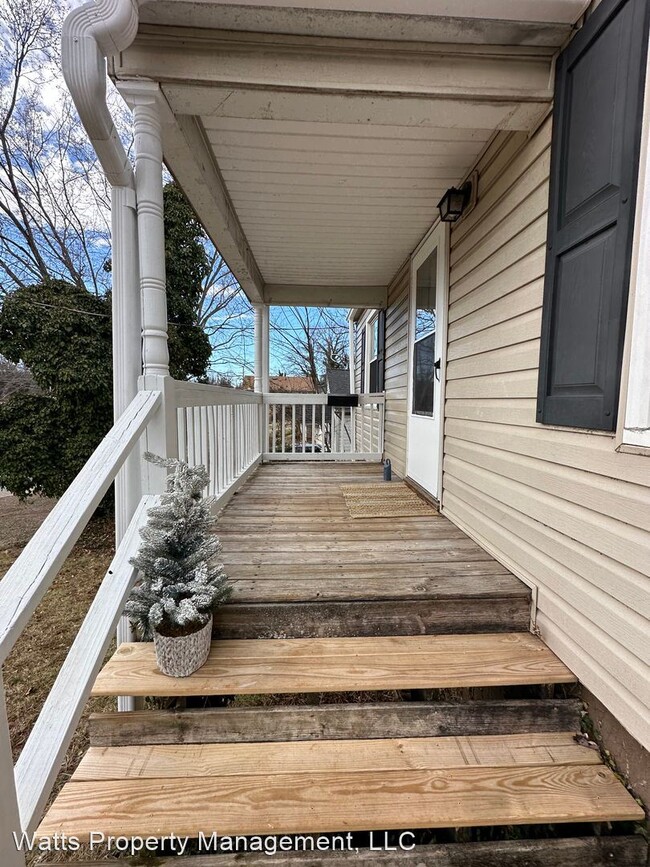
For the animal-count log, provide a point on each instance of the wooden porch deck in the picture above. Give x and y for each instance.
(326, 603)
(302, 567)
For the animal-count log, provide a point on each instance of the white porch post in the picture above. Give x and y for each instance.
(127, 364)
(143, 97)
(9, 814)
(145, 101)
(258, 310)
(127, 351)
(262, 366)
(351, 355)
(265, 347)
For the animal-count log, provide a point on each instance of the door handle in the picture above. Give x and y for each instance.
(436, 369)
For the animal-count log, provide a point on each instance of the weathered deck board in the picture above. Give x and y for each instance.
(381, 616)
(309, 802)
(569, 852)
(387, 754)
(340, 664)
(334, 721)
(287, 537)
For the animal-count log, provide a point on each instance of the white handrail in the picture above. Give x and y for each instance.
(306, 427)
(201, 394)
(41, 757)
(29, 577)
(299, 399)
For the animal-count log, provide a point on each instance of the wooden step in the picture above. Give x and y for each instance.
(363, 618)
(340, 665)
(334, 722)
(628, 851)
(332, 786)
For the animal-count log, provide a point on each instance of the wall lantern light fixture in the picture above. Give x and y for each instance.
(454, 202)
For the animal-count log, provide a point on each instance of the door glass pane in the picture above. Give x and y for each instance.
(424, 346)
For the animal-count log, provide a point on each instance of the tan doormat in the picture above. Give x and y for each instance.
(385, 500)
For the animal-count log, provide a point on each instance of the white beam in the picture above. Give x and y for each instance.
(191, 161)
(547, 22)
(346, 66)
(324, 108)
(542, 11)
(291, 294)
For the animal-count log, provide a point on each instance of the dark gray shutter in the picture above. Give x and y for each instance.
(363, 360)
(381, 350)
(594, 164)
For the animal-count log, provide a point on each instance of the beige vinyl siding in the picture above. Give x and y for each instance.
(396, 373)
(558, 506)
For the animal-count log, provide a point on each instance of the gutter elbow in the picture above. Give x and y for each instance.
(91, 33)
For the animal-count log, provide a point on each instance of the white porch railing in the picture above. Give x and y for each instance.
(219, 428)
(227, 430)
(305, 427)
(26, 788)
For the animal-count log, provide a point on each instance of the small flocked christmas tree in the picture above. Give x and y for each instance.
(182, 581)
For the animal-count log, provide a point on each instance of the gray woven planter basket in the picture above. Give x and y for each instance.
(179, 657)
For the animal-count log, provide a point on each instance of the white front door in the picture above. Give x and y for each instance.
(427, 333)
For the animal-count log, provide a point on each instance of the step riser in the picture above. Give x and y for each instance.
(365, 619)
(575, 852)
(334, 722)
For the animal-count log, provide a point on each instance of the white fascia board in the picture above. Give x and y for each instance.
(533, 11)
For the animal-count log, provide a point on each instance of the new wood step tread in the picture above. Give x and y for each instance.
(321, 787)
(381, 754)
(334, 721)
(340, 664)
(627, 851)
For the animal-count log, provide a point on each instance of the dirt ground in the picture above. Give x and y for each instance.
(34, 663)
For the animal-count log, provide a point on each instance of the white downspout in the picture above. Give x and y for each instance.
(90, 33)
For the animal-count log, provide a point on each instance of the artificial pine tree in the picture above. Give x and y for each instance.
(181, 580)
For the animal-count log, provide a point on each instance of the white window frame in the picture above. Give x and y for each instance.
(633, 432)
(371, 327)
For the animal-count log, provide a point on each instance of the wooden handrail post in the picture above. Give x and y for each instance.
(10, 855)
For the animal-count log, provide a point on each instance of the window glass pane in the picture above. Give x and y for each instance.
(425, 305)
(374, 331)
(374, 365)
(424, 348)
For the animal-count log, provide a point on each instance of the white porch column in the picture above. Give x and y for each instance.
(262, 366)
(258, 310)
(351, 355)
(127, 364)
(127, 349)
(265, 348)
(143, 97)
(146, 103)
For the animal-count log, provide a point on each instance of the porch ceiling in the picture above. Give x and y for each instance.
(316, 163)
(336, 203)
